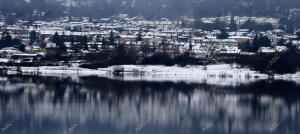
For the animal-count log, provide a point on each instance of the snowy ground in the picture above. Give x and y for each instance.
(223, 74)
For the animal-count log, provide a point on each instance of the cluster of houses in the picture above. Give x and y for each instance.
(127, 31)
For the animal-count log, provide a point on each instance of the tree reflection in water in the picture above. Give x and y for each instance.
(100, 105)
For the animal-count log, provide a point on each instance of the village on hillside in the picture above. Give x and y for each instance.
(74, 39)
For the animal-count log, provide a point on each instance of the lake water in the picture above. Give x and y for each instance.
(94, 105)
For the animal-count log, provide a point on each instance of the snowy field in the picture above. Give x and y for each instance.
(223, 74)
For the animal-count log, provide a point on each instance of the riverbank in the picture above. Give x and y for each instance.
(223, 74)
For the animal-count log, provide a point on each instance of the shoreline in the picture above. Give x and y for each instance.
(222, 74)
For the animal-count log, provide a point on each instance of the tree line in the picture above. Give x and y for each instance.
(8, 41)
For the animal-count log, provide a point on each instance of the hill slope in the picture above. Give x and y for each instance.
(48, 9)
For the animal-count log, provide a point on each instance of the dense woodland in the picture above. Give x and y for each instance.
(151, 9)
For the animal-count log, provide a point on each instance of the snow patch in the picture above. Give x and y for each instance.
(223, 74)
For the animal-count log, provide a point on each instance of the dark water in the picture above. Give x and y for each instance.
(91, 105)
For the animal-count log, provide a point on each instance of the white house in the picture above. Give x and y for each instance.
(266, 50)
(8, 52)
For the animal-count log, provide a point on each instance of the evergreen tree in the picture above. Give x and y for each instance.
(255, 44)
(281, 42)
(265, 42)
(258, 42)
(8, 40)
(60, 43)
(104, 43)
(120, 55)
(289, 45)
(298, 35)
(83, 42)
(55, 39)
(245, 46)
(16, 43)
(139, 37)
(74, 46)
(32, 37)
(190, 46)
(223, 34)
(22, 47)
(164, 46)
(63, 48)
(232, 25)
(112, 38)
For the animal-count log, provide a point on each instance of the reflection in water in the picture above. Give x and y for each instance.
(90, 105)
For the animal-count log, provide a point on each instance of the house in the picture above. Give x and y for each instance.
(228, 52)
(281, 48)
(266, 50)
(296, 42)
(220, 42)
(241, 39)
(8, 52)
(125, 38)
(51, 45)
(21, 58)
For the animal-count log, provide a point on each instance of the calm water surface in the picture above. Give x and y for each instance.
(93, 105)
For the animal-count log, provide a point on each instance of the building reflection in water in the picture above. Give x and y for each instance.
(31, 104)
